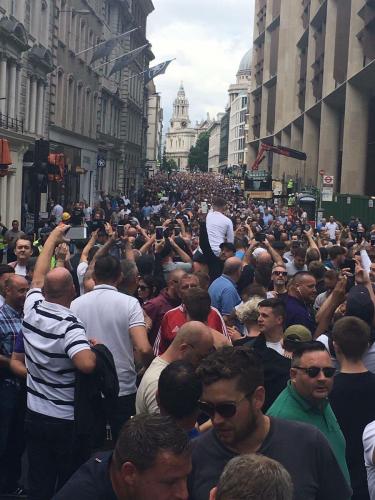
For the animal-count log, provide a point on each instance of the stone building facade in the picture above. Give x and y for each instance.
(313, 89)
(50, 89)
(154, 130)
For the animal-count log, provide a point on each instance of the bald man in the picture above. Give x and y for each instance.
(223, 291)
(11, 418)
(192, 343)
(54, 339)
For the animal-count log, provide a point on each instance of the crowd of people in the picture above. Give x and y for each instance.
(196, 344)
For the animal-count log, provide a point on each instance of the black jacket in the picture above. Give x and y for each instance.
(94, 394)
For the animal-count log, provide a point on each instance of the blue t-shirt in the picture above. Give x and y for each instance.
(224, 295)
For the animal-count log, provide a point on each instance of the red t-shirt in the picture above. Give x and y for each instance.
(174, 319)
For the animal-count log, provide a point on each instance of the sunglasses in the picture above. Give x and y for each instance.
(225, 410)
(280, 273)
(143, 288)
(314, 371)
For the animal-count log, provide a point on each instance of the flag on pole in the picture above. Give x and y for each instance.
(104, 49)
(160, 69)
(126, 59)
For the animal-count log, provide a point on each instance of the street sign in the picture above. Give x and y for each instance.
(327, 194)
(322, 172)
(328, 180)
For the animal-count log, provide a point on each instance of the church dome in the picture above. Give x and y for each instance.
(245, 64)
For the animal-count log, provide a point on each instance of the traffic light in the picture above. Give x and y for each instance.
(41, 152)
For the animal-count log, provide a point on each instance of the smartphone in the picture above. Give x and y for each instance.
(120, 230)
(204, 207)
(177, 230)
(260, 237)
(159, 233)
(77, 233)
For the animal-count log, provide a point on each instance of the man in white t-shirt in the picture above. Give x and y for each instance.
(57, 212)
(271, 323)
(219, 227)
(332, 227)
(116, 320)
(192, 343)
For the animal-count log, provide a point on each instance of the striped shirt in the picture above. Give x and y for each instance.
(52, 336)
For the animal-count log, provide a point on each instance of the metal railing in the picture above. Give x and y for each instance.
(10, 123)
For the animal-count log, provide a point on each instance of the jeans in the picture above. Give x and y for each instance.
(50, 451)
(12, 411)
(120, 413)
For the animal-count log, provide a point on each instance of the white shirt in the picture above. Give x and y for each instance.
(146, 393)
(81, 271)
(332, 227)
(108, 315)
(368, 447)
(20, 270)
(52, 337)
(57, 211)
(219, 229)
(276, 346)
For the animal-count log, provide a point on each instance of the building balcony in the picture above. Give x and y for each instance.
(10, 123)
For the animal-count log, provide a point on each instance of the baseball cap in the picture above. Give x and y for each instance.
(298, 332)
(65, 216)
(359, 304)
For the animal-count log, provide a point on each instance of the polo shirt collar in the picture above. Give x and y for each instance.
(304, 403)
(56, 307)
(105, 287)
(229, 279)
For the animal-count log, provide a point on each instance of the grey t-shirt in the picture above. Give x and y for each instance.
(300, 448)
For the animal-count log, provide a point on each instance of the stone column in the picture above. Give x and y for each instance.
(39, 118)
(3, 84)
(311, 148)
(329, 141)
(12, 90)
(354, 161)
(33, 93)
(27, 102)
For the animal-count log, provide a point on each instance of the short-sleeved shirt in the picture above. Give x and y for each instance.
(175, 318)
(52, 336)
(300, 448)
(10, 328)
(369, 447)
(108, 315)
(81, 271)
(146, 394)
(224, 295)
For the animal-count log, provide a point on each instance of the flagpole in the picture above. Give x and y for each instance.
(106, 41)
(122, 55)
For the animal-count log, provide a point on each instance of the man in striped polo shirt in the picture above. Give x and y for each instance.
(55, 347)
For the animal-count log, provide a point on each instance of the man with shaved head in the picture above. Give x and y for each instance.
(223, 291)
(55, 347)
(192, 343)
(11, 418)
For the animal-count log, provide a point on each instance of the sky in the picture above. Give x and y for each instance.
(208, 39)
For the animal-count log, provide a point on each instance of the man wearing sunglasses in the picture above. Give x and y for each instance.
(279, 280)
(233, 396)
(305, 398)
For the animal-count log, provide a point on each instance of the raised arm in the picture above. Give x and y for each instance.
(184, 256)
(43, 262)
(310, 239)
(88, 247)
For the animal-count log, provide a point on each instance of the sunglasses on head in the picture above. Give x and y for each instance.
(225, 410)
(314, 371)
(280, 273)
